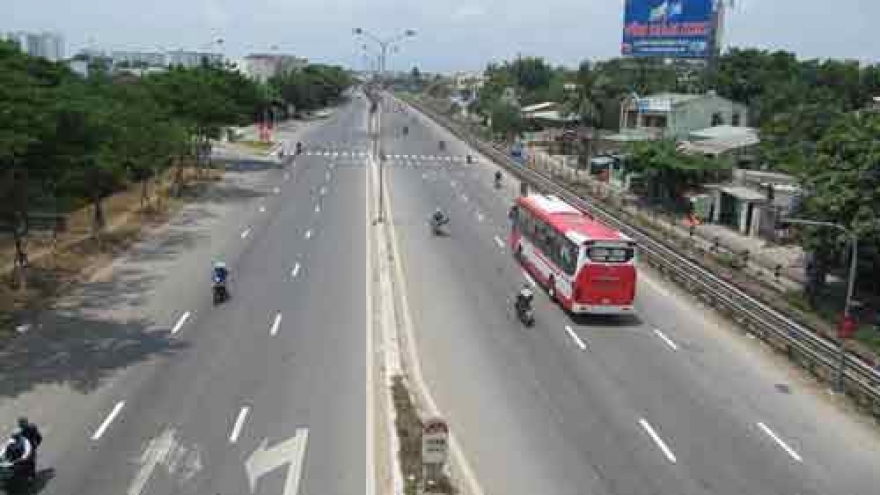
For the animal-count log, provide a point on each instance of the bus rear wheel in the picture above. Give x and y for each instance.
(551, 289)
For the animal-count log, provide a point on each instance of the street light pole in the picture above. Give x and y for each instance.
(850, 287)
(383, 43)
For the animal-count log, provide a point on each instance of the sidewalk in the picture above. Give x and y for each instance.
(781, 267)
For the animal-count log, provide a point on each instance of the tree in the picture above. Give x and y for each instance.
(506, 120)
(668, 172)
(843, 186)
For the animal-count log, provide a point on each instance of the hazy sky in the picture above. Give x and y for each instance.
(452, 34)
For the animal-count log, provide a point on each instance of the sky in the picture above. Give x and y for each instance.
(451, 34)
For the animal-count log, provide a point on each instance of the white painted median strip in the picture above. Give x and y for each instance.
(295, 271)
(794, 455)
(245, 233)
(666, 339)
(275, 325)
(239, 423)
(659, 441)
(499, 242)
(308, 234)
(109, 419)
(180, 323)
(577, 340)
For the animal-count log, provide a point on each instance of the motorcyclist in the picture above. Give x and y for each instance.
(31, 433)
(299, 148)
(220, 273)
(524, 299)
(439, 218)
(442, 145)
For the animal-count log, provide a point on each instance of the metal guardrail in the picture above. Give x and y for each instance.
(815, 353)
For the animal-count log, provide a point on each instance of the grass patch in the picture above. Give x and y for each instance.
(257, 145)
(409, 433)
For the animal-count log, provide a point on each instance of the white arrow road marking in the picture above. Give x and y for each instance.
(659, 441)
(577, 340)
(308, 234)
(180, 322)
(239, 424)
(275, 325)
(290, 451)
(295, 271)
(790, 451)
(109, 419)
(245, 233)
(165, 450)
(262, 209)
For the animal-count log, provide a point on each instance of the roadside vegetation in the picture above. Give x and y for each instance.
(70, 144)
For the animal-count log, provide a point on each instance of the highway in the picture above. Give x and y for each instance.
(674, 401)
(142, 387)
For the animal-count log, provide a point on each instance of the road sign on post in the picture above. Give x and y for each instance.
(435, 448)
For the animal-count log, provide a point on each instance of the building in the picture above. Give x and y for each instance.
(548, 113)
(185, 58)
(739, 144)
(138, 59)
(468, 84)
(47, 45)
(676, 115)
(753, 201)
(263, 66)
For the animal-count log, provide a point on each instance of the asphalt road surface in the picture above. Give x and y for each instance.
(142, 386)
(671, 402)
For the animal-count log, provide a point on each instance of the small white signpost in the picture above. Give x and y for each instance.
(435, 449)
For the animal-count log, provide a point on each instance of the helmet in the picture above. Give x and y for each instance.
(23, 422)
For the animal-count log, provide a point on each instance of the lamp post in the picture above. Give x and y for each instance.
(384, 44)
(847, 315)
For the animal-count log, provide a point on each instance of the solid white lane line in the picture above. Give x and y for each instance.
(109, 419)
(479, 217)
(295, 271)
(239, 423)
(659, 441)
(499, 242)
(180, 322)
(276, 190)
(308, 234)
(275, 325)
(577, 340)
(262, 209)
(794, 455)
(666, 339)
(245, 233)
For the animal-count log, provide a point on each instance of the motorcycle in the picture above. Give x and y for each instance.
(524, 310)
(221, 294)
(14, 473)
(299, 148)
(437, 225)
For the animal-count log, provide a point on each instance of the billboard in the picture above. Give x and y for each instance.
(669, 28)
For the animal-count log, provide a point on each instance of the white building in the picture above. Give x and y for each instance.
(137, 58)
(262, 66)
(47, 45)
(189, 59)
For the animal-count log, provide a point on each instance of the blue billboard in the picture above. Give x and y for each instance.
(668, 28)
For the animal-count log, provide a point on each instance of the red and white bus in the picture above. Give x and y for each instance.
(586, 266)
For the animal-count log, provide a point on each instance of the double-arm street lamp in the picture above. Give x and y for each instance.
(384, 44)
